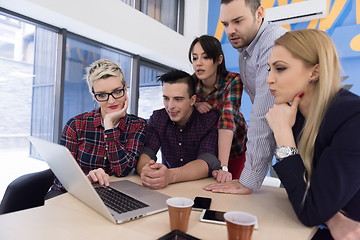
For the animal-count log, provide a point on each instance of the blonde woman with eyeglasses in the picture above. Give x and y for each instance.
(106, 141)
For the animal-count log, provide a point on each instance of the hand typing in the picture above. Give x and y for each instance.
(99, 175)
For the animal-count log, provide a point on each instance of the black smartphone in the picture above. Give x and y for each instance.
(178, 235)
(212, 216)
(201, 203)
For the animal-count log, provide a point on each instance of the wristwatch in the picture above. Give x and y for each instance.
(285, 151)
(224, 168)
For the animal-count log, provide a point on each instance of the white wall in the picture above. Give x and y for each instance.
(196, 18)
(117, 24)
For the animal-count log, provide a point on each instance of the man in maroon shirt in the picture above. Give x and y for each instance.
(188, 139)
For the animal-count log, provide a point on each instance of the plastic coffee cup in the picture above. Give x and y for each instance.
(179, 212)
(240, 225)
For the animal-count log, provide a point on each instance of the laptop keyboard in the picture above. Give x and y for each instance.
(119, 201)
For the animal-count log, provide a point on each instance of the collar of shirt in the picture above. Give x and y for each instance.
(200, 86)
(249, 49)
(98, 120)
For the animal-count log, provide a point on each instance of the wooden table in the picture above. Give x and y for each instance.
(65, 217)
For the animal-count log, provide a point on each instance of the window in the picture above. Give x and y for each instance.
(129, 2)
(42, 85)
(150, 91)
(27, 84)
(168, 12)
(42, 81)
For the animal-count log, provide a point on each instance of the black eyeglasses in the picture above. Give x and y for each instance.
(103, 97)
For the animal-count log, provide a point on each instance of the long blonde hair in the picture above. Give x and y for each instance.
(314, 47)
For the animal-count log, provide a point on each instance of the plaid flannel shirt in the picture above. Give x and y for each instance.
(180, 145)
(115, 150)
(225, 98)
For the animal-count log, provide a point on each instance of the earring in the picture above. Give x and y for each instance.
(314, 80)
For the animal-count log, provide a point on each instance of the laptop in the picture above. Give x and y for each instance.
(62, 163)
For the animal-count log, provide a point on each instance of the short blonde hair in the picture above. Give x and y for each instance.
(102, 69)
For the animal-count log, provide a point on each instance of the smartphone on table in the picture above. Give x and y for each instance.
(212, 216)
(201, 203)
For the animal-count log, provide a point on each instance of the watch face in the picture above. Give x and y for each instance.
(283, 152)
(225, 168)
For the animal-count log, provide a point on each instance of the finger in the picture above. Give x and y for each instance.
(223, 178)
(149, 167)
(157, 173)
(226, 189)
(222, 189)
(219, 190)
(212, 186)
(207, 105)
(297, 100)
(208, 187)
(152, 183)
(201, 109)
(106, 180)
(100, 176)
(92, 176)
(228, 177)
(156, 166)
(126, 103)
(153, 174)
(146, 181)
(219, 178)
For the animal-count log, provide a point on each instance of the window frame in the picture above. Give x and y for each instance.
(63, 35)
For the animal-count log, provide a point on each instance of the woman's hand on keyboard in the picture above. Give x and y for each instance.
(99, 176)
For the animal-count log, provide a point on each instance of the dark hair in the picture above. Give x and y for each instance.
(178, 76)
(253, 4)
(212, 47)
